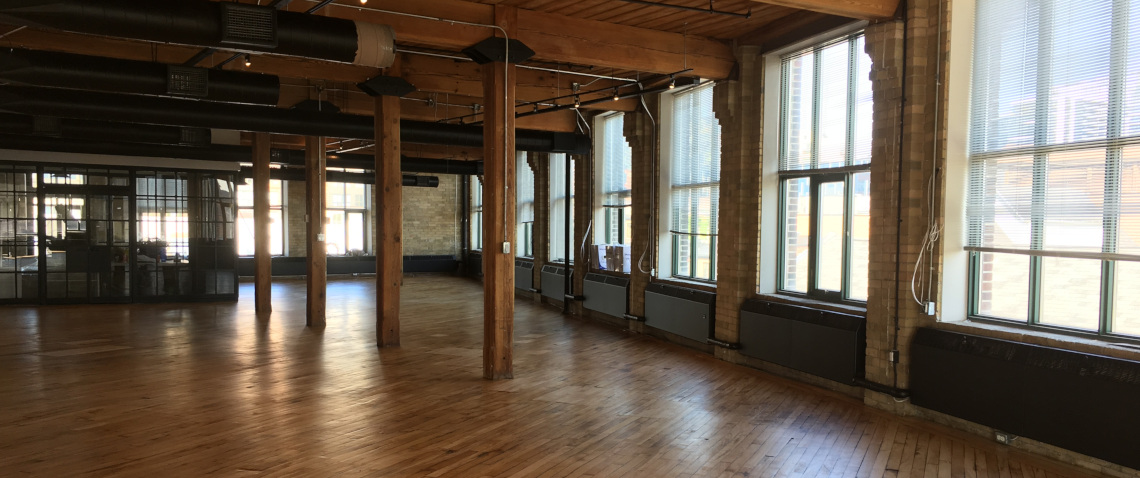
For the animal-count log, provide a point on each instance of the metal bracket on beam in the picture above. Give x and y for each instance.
(496, 49)
(386, 86)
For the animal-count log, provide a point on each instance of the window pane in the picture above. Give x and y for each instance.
(354, 196)
(999, 211)
(355, 239)
(860, 254)
(276, 233)
(682, 254)
(1003, 288)
(245, 242)
(1070, 292)
(829, 251)
(864, 105)
(798, 80)
(334, 233)
(1074, 201)
(704, 258)
(832, 130)
(797, 228)
(276, 192)
(334, 195)
(1126, 306)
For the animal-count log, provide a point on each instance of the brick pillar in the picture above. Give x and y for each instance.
(583, 217)
(890, 327)
(540, 164)
(639, 132)
(738, 105)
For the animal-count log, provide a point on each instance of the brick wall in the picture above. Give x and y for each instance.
(540, 164)
(639, 132)
(295, 211)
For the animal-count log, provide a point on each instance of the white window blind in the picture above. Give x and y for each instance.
(695, 153)
(560, 207)
(617, 162)
(1054, 145)
(524, 201)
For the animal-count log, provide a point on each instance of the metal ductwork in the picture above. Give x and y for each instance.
(66, 128)
(409, 180)
(83, 72)
(231, 153)
(224, 25)
(203, 114)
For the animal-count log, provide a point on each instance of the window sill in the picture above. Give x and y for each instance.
(861, 311)
(1045, 338)
(609, 273)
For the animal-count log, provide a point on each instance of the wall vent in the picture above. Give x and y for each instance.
(524, 275)
(682, 311)
(249, 25)
(554, 282)
(606, 294)
(828, 344)
(187, 81)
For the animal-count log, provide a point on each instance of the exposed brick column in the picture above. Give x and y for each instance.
(890, 268)
(738, 105)
(583, 215)
(639, 132)
(540, 164)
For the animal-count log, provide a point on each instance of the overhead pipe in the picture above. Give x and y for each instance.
(67, 128)
(228, 153)
(96, 73)
(222, 25)
(179, 112)
(408, 180)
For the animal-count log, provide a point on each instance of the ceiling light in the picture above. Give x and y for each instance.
(248, 61)
(577, 102)
(616, 95)
(672, 82)
(362, 2)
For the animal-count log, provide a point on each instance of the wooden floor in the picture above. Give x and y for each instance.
(194, 389)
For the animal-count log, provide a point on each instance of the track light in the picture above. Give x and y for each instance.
(362, 2)
(577, 102)
(672, 82)
(248, 61)
(616, 95)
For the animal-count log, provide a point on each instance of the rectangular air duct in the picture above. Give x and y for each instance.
(1078, 401)
(606, 294)
(827, 344)
(524, 275)
(685, 312)
(554, 282)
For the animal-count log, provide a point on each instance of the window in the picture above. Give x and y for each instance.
(346, 208)
(824, 171)
(524, 212)
(476, 213)
(1053, 204)
(561, 208)
(693, 171)
(615, 180)
(245, 226)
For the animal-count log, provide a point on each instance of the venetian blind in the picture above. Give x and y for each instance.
(617, 160)
(1054, 144)
(695, 167)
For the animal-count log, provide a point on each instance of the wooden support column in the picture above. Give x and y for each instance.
(262, 264)
(499, 210)
(315, 278)
(389, 221)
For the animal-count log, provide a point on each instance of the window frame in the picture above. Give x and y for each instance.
(524, 230)
(775, 178)
(668, 238)
(612, 217)
(476, 243)
(365, 214)
(558, 205)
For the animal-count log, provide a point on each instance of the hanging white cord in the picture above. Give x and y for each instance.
(652, 189)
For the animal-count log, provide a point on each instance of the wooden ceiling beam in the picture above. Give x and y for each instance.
(552, 37)
(793, 28)
(860, 9)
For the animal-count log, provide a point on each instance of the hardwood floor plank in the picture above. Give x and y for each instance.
(193, 389)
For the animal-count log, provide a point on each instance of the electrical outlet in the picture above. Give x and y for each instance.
(1003, 437)
(507, 247)
(894, 356)
(320, 237)
(930, 309)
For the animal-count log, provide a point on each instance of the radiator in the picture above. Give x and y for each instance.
(823, 343)
(553, 283)
(606, 294)
(685, 312)
(475, 264)
(524, 275)
(1081, 402)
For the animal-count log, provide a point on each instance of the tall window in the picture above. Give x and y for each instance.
(561, 207)
(245, 226)
(347, 211)
(694, 184)
(615, 181)
(524, 200)
(1053, 210)
(476, 213)
(824, 172)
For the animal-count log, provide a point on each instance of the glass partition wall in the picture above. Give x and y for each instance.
(88, 235)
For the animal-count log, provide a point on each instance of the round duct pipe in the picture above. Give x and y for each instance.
(95, 73)
(66, 128)
(203, 114)
(233, 26)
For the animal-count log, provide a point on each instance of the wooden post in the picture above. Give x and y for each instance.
(316, 279)
(499, 210)
(261, 254)
(389, 221)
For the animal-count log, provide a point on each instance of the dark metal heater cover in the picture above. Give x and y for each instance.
(495, 49)
(386, 86)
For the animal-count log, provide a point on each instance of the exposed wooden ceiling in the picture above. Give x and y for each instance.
(572, 40)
